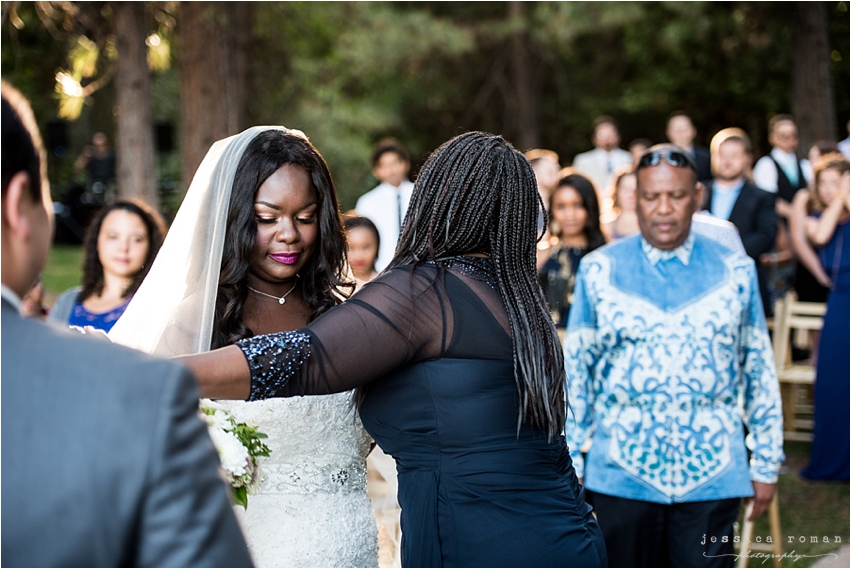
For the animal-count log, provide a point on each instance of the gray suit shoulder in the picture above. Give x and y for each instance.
(105, 461)
(61, 310)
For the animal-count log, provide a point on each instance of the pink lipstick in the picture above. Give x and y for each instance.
(286, 258)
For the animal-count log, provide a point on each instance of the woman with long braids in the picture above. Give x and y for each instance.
(258, 247)
(458, 370)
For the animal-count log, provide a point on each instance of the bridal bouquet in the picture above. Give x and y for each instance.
(239, 446)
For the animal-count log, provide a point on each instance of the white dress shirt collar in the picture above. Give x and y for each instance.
(683, 252)
(11, 297)
(785, 158)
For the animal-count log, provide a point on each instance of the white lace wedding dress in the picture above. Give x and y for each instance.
(312, 508)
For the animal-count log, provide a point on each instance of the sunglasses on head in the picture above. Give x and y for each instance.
(673, 157)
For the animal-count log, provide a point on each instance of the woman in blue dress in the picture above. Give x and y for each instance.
(119, 248)
(828, 230)
(459, 371)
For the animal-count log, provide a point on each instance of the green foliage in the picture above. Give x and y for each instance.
(240, 496)
(159, 53)
(839, 39)
(251, 438)
(84, 57)
(350, 73)
(63, 270)
(342, 86)
(725, 63)
(43, 43)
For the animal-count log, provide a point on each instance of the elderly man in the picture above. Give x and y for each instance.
(667, 353)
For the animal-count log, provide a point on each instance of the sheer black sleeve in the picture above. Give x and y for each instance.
(401, 317)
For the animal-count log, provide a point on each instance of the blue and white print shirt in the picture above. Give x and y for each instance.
(667, 353)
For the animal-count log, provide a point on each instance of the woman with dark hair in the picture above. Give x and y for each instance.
(459, 371)
(576, 231)
(119, 248)
(363, 245)
(257, 247)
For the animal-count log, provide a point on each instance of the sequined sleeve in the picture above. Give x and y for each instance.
(397, 319)
(274, 359)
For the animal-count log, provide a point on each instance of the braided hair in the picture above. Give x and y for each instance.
(323, 274)
(477, 194)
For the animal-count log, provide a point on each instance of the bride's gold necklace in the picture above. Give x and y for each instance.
(280, 299)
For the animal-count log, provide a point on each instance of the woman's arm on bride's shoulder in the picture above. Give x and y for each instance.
(221, 374)
(396, 319)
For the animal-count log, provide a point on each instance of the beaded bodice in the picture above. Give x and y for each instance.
(479, 268)
(311, 508)
(317, 443)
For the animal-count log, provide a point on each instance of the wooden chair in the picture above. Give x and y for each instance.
(746, 545)
(796, 378)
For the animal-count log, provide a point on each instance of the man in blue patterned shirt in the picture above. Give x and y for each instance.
(668, 358)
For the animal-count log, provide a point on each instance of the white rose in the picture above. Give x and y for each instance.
(232, 454)
(219, 420)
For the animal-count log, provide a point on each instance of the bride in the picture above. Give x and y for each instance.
(257, 247)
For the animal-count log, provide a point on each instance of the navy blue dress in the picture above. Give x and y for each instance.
(557, 277)
(431, 355)
(829, 457)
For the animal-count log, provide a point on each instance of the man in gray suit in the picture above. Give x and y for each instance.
(105, 462)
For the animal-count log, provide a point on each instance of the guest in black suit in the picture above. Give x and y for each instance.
(105, 460)
(785, 175)
(681, 131)
(732, 197)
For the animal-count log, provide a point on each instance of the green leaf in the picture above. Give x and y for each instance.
(240, 497)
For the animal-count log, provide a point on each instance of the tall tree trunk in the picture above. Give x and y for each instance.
(812, 93)
(521, 75)
(213, 76)
(136, 162)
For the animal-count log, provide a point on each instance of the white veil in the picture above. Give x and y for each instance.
(173, 311)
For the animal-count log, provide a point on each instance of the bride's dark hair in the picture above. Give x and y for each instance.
(322, 277)
(477, 194)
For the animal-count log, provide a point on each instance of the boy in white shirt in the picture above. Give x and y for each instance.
(387, 204)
